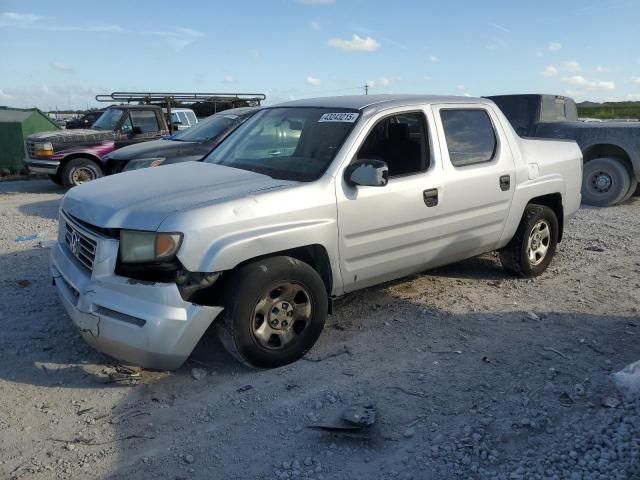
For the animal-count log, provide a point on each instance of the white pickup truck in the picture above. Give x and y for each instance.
(305, 202)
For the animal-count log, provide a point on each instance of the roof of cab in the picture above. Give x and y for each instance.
(360, 102)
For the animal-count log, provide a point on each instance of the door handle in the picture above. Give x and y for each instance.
(430, 197)
(505, 182)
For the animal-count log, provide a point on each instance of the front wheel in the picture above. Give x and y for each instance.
(79, 171)
(55, 178)
(275, 310)
(530, 251)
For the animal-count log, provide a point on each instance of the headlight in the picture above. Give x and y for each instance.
(44, 149)
(143, 163)
(136, 247)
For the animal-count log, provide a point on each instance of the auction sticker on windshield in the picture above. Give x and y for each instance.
(339, 117)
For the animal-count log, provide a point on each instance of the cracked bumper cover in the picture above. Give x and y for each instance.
(148, 324)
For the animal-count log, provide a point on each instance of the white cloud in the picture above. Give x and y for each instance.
(571, 66)
(635, 80)
(317, 2)
(17, 19)
(48, 97)
(356, 44)
(539, 54)
(554, 46)
(383, 81)
(461, 87)
(549, 71)
(62, 67)
(315, 25)
(229, 79)
(500, 27)
(434, 59)
(177, 37)
(584, 84)
(33, 22)
(313, 81)
(601, 69)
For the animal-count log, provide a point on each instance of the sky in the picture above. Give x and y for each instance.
(60, 54)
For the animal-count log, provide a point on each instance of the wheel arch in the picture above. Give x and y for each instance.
(314, 255)
(610, 150)
(554, 202)
(89, 156)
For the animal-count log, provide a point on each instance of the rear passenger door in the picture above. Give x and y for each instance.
(479, 174)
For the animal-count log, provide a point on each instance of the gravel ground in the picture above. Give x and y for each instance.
(474, 374)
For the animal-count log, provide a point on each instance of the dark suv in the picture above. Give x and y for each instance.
(192, 144)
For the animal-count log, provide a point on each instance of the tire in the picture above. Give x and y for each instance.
(539, 226)
(275, 310)
(605, 182)
(55, 178)
(633, 189)
(79, 171)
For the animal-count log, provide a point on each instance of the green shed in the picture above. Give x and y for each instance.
(16, 125)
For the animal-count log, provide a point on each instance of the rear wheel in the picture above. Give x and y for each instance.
(531, 250)
(275, 310)
(633, 189)
(605, 182)
(79, 171)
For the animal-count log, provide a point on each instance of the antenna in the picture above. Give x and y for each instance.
(366, 89)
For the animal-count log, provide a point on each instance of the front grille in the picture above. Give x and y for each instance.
(80, 244)
(31, 149)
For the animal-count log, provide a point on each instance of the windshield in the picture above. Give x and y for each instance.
(209, 128)
(109, 119)
(287, 143)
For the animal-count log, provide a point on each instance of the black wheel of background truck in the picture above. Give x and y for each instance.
(275, 310)
(633, 189)
(605, 182)
(530, 251)
(79, 171)
(55, 178)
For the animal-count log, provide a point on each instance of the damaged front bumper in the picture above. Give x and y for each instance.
(145, 323)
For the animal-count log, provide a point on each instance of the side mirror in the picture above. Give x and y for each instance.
(136, 131)
(367, 173)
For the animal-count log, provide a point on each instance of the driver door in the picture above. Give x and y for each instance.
(388, 232)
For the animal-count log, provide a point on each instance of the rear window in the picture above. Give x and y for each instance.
(146, 120)
(470, 136)
(553, 110)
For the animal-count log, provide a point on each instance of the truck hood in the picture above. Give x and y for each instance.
(161, 148)
(80, 135)
(142, 199)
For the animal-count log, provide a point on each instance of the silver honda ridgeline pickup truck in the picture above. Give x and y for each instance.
(306, 201)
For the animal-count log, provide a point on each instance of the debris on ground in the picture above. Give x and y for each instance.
(628, 380)
(198, 373)
(355, 421)
(34, 236)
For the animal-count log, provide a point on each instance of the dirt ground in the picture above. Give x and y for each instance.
(474, 374)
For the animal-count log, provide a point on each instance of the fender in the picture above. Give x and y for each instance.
(95, 152)
(528, 190)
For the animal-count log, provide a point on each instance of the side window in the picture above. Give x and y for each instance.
(470, 136)
(146, 120)
(126, 126)
(192, 118)
(183, 118)
(400, 141)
